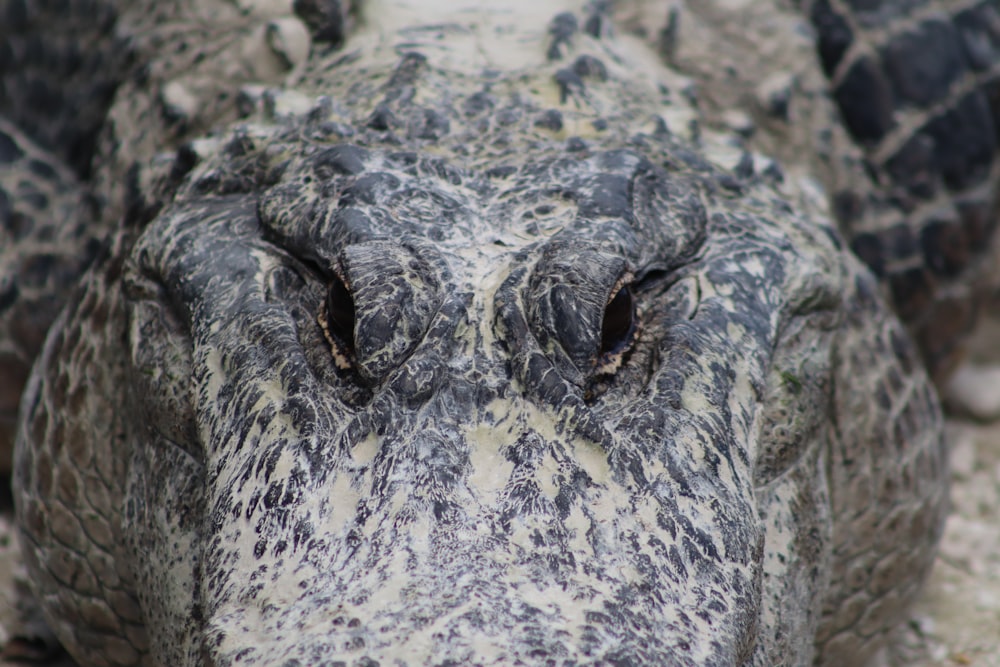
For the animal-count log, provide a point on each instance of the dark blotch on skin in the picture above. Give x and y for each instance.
(327, 19)
(477, 103)
(590, 67)
(382, 118)
(43, 170)
(343, 159)
(965, 139)
(945, 248)
(562, 29)
(865, 100)
(869, 249)
(834, 33)
(569, 83)
(550, 120)
(8, 295)
(979, 29)
(9, 150)
(922, 64)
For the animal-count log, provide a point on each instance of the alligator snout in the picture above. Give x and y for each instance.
(490, 543)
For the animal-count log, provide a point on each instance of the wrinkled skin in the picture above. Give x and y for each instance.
(465, 469)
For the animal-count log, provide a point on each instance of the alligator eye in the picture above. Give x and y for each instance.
(338, 322)
(619, 322)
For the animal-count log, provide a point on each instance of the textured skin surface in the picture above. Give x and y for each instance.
(50, 231)
(209, 472)
(59, 65)
(918, 85)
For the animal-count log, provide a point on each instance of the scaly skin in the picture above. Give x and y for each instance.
(220, 464)
(918, 85)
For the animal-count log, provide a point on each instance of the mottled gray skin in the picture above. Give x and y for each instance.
(212, 469)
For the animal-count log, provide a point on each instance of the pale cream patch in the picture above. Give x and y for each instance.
(286, 460)
(743, 394)
(592, 459)
(577, 524)
(289, 103)
(490, 469)
(695, 401)
(364, 450)
(722, 152)
(343, 498)
(735, 331)
(494, 35)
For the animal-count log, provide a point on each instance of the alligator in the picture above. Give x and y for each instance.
(421, 333)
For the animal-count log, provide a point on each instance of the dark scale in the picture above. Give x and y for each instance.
(922, 64)
(866, 101)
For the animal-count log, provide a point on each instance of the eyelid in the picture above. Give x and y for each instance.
(626, 279)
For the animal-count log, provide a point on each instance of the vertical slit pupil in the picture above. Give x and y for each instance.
(340, 312)
(619, 322)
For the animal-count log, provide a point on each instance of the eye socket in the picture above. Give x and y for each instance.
(337, 321)
(619, 322)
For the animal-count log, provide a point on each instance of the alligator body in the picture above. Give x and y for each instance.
(470, 342)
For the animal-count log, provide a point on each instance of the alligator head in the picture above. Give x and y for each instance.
(399, 407)
(432, 385)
